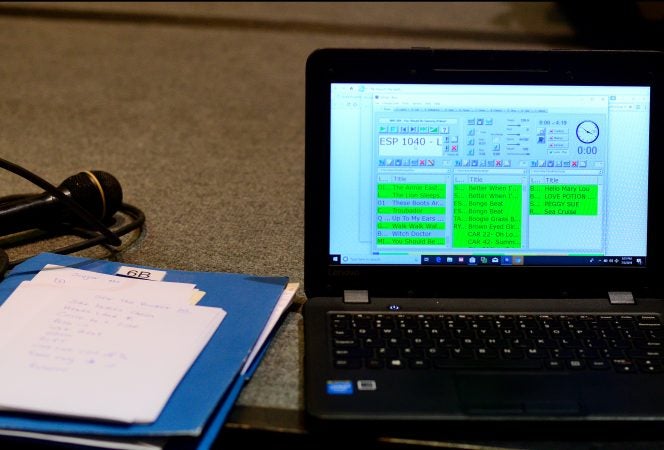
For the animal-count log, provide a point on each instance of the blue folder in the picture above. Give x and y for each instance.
(199, 405)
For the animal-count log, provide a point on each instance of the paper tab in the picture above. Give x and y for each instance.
(61, 276)
(141, 273)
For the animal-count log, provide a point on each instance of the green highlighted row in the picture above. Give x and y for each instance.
(411, 190)
(564, 199)
(411, 210)
(411, 225)
(487, 215)
(410, 241)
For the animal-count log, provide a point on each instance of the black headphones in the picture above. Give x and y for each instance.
(84, 205)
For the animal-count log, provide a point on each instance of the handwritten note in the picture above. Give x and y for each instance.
(70, 277)
(115, 354)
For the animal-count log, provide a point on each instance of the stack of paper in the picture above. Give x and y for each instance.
(107, 381)
(83, 344)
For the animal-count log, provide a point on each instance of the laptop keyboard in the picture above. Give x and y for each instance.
(556, 342)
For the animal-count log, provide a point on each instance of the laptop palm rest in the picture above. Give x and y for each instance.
(498, 394)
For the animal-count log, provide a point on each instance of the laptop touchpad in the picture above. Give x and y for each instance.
(500, 394)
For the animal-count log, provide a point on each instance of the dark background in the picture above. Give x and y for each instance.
(198, 110)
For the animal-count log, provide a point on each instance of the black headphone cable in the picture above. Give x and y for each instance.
(103, 235)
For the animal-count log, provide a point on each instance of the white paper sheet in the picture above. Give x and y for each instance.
(71, 277)
(97, 353)
(284, 302)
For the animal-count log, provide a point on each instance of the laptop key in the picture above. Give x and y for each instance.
(512, 353)
(643, 343)
(487, 353)
(462, 353)
(575, 364)
(598, 364)
(587, 353)
(387, 352)
(421, 342)
(650, 366)
(537, 353)
(342, 333)
(410, 352)
(396, 363)
(346, 342)
(649, 322)
(419, 364)
(398, 342)
(351, 363)
(645, 354)
(624, 365)
(373, 342)
(554, 364)
(340, 323)
(562, 353)
(612, 353)
(374, 363)
(487, 364)
(352, 352)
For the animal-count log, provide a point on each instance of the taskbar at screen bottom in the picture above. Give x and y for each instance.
(497, 260)
(532, 260)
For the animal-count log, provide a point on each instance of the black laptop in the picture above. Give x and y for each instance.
(483, 237)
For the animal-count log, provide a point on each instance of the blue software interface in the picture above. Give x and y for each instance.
(488, 174)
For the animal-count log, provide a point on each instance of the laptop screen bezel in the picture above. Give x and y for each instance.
(328, 66)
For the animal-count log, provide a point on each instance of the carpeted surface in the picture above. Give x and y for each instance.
(198, 110)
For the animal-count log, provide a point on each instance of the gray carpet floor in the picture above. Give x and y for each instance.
(198, 110)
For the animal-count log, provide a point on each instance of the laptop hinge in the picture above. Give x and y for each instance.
(353, 296)
(621, 298)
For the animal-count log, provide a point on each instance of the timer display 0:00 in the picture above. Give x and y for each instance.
(587, 150)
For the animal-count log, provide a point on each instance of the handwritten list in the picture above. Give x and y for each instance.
(99, 347)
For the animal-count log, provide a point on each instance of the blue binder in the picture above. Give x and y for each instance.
(199, 405)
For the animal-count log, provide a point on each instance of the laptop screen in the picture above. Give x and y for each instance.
(481, 175)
